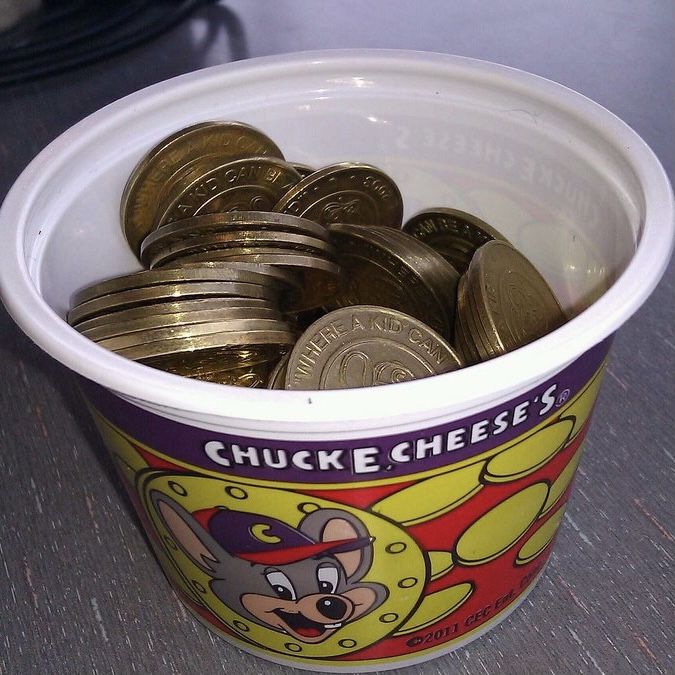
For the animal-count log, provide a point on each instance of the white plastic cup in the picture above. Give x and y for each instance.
(358, 529)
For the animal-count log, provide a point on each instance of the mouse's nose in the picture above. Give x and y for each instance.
(332, 607)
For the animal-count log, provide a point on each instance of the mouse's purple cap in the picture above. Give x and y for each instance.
(267, 541)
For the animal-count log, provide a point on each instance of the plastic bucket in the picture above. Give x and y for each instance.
(358, 529)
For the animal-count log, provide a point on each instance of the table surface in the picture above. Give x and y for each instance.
(80, 591)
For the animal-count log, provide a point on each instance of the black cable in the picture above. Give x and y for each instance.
(64, 35)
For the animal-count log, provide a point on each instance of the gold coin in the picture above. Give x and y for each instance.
(145, 279)
(144, 337)
(277, 377)
(203, 342)
(180, 319)
(169, 307)
(437, 272)
(185, 176)
(319, 276)
(514, 299)
(464, 343)
(238, 240)
(467, 351)
(482, 327)
(455, 234)
(284, 277)
(346, 193)
(363, 346)
(189, 290)
(463, 336)
(251, 184)
(488, 333)
(202, 363)
(140, 198)
(215, 223)
(472, 326)
(375, 273)
(253, 378)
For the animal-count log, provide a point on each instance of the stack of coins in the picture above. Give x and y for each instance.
(264, 272)
(296, 247)
(199, 321)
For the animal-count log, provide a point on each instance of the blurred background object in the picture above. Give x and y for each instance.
(12, 11)
(52, 36)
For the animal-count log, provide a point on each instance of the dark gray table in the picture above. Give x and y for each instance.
(79, 590)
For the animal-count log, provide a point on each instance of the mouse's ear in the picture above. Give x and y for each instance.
(333, 525)
(339, 528)
(188, 534)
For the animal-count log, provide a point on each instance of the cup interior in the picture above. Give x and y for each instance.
(459, 137)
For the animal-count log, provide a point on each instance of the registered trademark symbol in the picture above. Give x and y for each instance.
(562, 397)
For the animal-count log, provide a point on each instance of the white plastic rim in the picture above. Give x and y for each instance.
(360, 409)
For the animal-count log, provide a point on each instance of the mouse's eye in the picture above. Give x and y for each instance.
(281, 585)
(328, 577)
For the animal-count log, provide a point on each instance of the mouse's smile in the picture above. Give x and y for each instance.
(303, 625)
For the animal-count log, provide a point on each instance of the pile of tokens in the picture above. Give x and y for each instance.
(261, 272)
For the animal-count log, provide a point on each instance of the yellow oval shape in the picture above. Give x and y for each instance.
(536, 544)
(500, 528)
(562, 482)
(529, 455)
(582, 406)
(440, 563)
(432, 497)
(436, 606)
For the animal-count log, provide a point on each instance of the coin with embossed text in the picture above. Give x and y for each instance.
(251, 184)
(364, 346)
(346, 193)
(380, 270)
(455, 234)
(513, 300)
(162, 165)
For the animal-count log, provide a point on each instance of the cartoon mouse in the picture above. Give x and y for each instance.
(304, 581)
